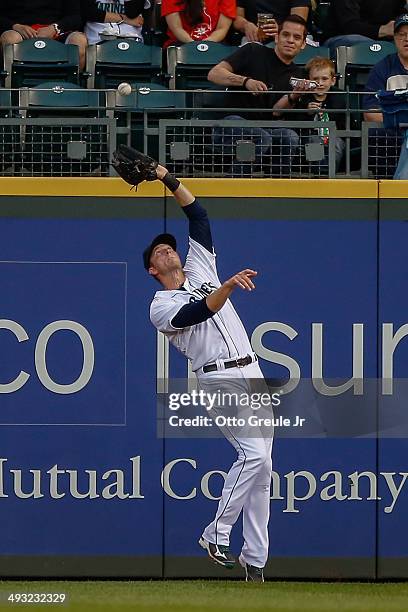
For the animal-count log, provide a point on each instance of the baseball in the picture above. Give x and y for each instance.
(124, 89)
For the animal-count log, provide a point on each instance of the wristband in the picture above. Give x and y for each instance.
(244, 82)
(170, 182)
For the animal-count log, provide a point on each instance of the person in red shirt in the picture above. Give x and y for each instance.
(189, 20)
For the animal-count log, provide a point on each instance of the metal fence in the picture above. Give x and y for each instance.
(255, 148)
(56, 146)
(193, 141)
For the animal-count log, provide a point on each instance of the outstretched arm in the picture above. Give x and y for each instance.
(199, 225)
(135, 167)
(183, 196)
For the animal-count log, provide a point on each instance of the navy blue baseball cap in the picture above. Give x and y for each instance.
(160, 239)
(400, 21)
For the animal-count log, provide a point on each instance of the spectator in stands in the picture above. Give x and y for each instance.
(354, 21)
(247, 16)
(257, 69)
(189, 20)
(57, 19)
(117, 18)
(389, 74)
(319, 105)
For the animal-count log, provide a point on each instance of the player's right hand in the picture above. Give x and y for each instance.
(242, 279)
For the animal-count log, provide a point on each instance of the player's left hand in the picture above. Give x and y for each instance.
(133, 166)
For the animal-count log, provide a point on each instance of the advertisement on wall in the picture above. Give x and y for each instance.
(88, 486)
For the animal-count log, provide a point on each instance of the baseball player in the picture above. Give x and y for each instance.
(209, 332)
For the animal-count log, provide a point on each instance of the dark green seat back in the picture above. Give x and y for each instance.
(62, 95)
(127, 60)
(361, 58)
(37, 60)
(145, 97)
(194, 60)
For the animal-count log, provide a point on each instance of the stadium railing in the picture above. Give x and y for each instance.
(193, 141)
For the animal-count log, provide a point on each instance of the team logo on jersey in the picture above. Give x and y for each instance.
(203, 291)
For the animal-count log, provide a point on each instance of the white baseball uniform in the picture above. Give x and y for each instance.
(216, 340)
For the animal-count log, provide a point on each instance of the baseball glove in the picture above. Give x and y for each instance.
(134, 167)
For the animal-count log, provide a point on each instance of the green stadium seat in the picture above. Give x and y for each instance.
(65, 140)
(190, 63)
(112, 62)
(60, 95)
(309, 53)
(145, 97)
(36, 60)
(354, 63)
(155, 101)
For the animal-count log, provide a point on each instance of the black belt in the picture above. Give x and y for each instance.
(234, 363)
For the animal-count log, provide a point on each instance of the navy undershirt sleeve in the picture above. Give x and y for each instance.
(199, 225)
(192, 314)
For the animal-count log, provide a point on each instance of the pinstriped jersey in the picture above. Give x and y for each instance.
(222, 336)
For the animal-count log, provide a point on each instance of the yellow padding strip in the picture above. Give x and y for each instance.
(283, 188)
(393, 189)
(79, 187)
(208, 187)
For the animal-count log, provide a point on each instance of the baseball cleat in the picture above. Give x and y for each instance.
(217, 553)
(252, 573)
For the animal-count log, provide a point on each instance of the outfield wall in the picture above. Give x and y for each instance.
(86, 486)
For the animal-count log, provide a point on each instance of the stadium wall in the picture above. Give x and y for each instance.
(87, 488)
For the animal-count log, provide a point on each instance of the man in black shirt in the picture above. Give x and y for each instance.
(353, 21)
(258, 69)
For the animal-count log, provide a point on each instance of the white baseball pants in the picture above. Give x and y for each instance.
(247, 484)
